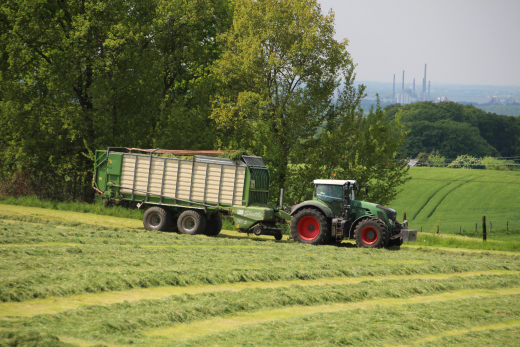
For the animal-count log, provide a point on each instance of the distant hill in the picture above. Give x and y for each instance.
(506, 110)
(454, 129)
(459, 197)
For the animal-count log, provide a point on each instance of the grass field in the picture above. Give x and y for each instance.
(78, 279)
(454, 198)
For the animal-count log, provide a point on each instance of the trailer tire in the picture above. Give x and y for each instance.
(278, 236)
(157, 218)
(310, 226)
(371, 233)
(214, 225)
(191, 222)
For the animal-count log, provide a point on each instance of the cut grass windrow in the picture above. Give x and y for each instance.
(196, 329)
(396, 323)
(130, 319)
(79, 258)
(54, 305)
(455, 332)
(67, 283)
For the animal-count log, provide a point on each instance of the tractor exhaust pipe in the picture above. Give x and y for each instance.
(281, 197)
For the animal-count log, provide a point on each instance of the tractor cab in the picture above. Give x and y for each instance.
(337, 194)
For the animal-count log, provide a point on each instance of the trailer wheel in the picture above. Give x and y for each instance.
(310, 226)
(371, 233)
(191, 222)
(214, 225)
(156, 218)
(278, 236)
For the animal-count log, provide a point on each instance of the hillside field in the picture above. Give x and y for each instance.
(459, 197)
(79, 279)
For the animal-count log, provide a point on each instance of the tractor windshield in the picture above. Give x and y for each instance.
(329, 193)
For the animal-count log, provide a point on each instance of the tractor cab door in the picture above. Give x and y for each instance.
(332, 195)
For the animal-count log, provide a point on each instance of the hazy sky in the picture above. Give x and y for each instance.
(462, 41)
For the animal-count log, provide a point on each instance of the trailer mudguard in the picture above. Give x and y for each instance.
(319, 207)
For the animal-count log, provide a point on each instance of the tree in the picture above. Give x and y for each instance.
(277, 77)
(92, 74)
(185, 36)
(456, 129)
(69, 78)
(352, 146)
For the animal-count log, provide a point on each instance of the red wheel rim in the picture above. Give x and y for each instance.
(308, 228)
(369, 235)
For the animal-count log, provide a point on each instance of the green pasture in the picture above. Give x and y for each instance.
(102, 281)
(454, 198)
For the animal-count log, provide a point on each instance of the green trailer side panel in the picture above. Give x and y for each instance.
(100, 172)
(115, 161)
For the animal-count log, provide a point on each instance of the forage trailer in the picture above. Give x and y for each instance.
(334, 214)
(190, 196)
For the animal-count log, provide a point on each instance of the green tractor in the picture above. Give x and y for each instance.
(334, 214)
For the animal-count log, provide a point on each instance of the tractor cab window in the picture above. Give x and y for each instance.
(352, 193)
(329, 193)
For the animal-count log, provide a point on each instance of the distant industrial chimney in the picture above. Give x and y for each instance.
(402, 92)
(423, 96)
(393, 96)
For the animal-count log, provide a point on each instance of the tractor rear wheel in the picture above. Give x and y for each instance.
(157, 218)
(371, 233)
(310, 226)
(214, 225)
(191, 222)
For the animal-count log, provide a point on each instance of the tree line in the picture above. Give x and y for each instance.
(265, 76)
(451, 129)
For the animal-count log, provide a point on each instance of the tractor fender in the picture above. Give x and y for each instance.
(355, 223)
(317, 206)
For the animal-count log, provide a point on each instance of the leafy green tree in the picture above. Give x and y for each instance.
(185, 36)
(277, 77)
(92, 74)
(456, 129)
(354, 147)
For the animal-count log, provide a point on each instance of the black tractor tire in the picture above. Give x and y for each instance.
(310, 226)
(371, 233)
(278, 236)
(397, 242)
(191, 222)
(214, 225)
(157, 218)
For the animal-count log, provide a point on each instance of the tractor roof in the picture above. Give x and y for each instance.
(334, 182)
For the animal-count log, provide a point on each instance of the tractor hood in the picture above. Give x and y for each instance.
(384, 213)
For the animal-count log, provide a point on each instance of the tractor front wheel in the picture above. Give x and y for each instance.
(371, 233)
(310, 226)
